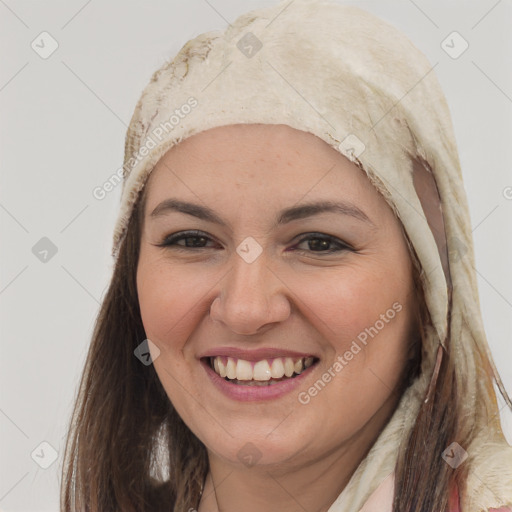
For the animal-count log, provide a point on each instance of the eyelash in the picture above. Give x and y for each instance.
(170, 241)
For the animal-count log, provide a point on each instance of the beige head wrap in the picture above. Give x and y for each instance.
(364, 88)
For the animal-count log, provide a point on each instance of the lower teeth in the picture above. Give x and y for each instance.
(257, 382)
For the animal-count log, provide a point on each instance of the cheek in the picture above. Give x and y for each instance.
(347, 301)
(168, 302)
(365, 315)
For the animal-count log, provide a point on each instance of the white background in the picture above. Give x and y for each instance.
(63, 121)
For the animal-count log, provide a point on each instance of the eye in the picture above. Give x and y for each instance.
(193, 239)
(318, 242)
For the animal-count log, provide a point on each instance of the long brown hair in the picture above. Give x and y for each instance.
(122, 415)
(423, 480)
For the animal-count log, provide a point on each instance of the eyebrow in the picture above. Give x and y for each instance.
(288, 215)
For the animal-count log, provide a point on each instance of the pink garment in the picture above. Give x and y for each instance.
(381, 500)
(455, 504)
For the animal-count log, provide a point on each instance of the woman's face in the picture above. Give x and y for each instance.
(274, 284)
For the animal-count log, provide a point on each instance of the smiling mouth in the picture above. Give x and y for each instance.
(266, 372)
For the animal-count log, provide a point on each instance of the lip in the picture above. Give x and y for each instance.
(254, 355)
(243, 393)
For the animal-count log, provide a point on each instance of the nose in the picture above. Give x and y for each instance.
(251, 297)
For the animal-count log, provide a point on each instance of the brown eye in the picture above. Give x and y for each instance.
(320, 243)
(193, 239)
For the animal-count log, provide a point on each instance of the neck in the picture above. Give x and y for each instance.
(311, 485)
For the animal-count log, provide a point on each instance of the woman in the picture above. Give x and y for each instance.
(293, 319)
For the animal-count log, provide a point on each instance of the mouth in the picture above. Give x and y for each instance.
(265, 372)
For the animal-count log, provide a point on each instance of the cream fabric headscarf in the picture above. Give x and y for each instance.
(360, 85)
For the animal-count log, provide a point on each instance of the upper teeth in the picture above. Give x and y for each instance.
(276, 368)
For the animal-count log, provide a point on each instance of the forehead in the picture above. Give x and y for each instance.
(248, 143)
(260, 162)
